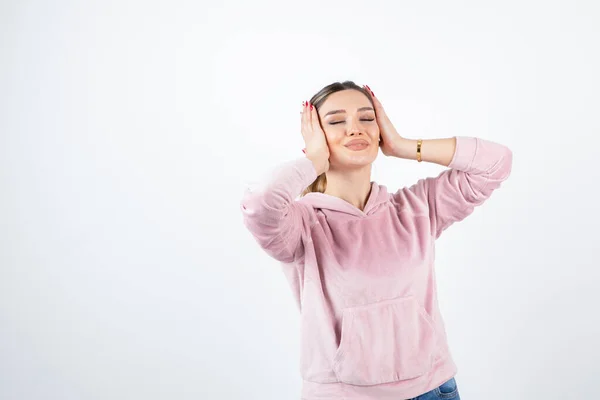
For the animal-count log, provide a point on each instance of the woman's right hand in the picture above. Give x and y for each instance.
(317, 149)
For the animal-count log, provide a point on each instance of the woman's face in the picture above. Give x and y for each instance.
(345, 116)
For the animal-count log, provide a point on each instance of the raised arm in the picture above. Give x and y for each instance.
(477, 168)
(271, 214)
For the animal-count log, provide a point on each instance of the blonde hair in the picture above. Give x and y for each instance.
(320, 184)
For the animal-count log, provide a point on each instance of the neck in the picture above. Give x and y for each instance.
(351, 185)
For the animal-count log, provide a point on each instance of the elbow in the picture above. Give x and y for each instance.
(498, 173)
(506, 164)
(500, 170)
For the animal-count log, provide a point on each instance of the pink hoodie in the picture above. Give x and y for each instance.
(364, 281)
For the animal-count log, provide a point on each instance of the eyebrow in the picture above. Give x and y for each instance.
(343, 111)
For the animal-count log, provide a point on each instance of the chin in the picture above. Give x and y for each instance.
(356, 158)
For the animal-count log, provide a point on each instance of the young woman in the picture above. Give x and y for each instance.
(360, 259)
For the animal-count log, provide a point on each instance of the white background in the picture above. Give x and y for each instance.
(129, 129)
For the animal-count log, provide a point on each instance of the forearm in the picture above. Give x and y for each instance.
(438, 151)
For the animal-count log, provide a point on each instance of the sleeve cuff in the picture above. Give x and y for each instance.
(466, 148)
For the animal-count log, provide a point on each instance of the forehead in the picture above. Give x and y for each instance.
(348, 100)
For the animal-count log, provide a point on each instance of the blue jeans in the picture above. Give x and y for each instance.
(447, 390)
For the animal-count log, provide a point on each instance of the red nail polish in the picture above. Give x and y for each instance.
(304, 151)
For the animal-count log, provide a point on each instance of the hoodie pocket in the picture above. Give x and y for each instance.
(384, 342)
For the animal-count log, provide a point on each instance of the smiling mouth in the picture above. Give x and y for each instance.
(357, 146)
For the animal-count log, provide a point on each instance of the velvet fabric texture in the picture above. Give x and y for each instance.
(364, 280)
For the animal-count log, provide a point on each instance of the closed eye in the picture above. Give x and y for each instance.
(339, 122)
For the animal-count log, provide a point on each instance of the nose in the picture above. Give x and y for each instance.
(355, 132)
(355, 127)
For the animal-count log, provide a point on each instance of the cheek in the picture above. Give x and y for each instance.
(333, 135)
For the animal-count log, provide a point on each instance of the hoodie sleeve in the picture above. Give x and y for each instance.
(270, 213)
(478, 167)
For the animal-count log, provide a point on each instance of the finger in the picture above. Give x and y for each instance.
(317, 126)
(315, 119)
(309, 115)
(304, 118)
(368, 89)
(375, 99)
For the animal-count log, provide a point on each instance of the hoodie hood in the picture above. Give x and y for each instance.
(332, 204)
(365, 281)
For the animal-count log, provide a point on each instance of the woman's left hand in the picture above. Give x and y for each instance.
(389, 137)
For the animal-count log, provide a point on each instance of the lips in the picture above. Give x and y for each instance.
(356, 141)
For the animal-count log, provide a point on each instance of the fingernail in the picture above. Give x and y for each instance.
(304, 151)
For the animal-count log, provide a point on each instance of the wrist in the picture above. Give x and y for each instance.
(319, 164)
(405, 148)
